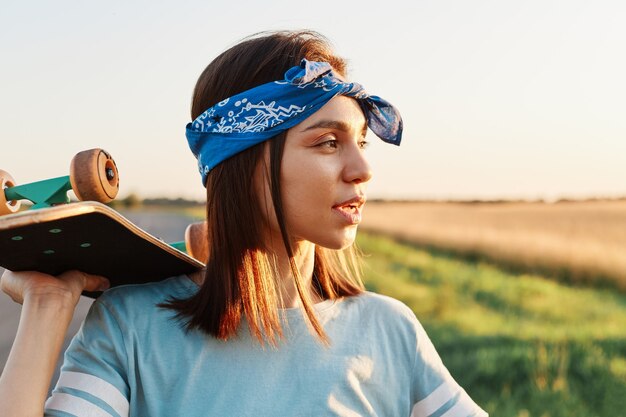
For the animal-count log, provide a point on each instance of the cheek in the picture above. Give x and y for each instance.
(308, 192)
(308, 181)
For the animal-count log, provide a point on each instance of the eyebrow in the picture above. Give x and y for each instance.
(333, 124)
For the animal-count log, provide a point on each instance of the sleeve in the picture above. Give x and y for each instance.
(435, 392)
(93, 380)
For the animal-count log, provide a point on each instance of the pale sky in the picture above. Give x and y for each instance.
(500, 99)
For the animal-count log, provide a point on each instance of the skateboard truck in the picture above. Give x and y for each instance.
(93, 176)
(44, 193)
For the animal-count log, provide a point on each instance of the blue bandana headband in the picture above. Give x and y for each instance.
(263, 112)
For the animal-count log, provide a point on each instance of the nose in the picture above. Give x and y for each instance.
(356, 169)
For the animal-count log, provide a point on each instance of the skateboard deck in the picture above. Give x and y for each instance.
(90, 237)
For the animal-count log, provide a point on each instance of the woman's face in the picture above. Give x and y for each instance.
(324, 174)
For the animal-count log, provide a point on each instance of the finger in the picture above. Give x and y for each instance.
(96, 283)
(82, 281)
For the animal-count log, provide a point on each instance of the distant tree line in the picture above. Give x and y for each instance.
(133, 200)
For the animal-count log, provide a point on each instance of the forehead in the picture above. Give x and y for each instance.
(342, 109)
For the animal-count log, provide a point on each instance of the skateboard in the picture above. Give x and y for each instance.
(55, 235)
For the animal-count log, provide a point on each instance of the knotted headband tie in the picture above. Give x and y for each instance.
(263, 112)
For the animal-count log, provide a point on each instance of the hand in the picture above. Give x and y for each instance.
(67, 286)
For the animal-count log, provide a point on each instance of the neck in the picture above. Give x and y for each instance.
(304, 258)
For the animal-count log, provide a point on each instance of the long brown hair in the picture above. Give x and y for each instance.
(240, 279)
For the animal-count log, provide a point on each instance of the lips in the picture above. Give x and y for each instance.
(350, 210)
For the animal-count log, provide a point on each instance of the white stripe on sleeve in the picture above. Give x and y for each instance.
(75, 406)
(435, 400)
(464, 407)
(97, 387)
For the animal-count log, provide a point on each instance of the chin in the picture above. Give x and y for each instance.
(339, 241)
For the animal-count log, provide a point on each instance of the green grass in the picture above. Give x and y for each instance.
(520, 344)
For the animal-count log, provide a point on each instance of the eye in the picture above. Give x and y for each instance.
(330, 142)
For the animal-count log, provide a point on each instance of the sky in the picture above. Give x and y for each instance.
(500, 99)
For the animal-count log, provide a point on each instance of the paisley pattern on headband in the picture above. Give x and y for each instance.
(246, 117)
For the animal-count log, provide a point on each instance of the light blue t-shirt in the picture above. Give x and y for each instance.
(132, 358)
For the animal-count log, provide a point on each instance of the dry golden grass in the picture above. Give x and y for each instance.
(577, 241)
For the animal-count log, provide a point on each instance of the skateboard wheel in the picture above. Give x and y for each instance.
(10, 206)
(196, 241)
(94, 176)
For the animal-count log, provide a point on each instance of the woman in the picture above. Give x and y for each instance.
(278, 324)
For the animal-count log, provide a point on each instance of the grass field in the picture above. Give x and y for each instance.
(582, 242)
(521, 344)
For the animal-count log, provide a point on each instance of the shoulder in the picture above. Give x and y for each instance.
(384, 325)
(153, 291)
(373, 304)
(383, 314)
(140, 299)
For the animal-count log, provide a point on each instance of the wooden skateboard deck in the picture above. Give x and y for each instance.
(90, 237)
